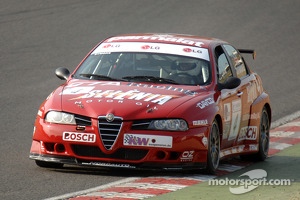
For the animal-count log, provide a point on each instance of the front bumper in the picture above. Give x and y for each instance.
(187, 150)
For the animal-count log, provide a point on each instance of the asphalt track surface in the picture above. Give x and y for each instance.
(36, 37)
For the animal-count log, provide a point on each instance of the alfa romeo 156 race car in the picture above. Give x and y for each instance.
(154, 101)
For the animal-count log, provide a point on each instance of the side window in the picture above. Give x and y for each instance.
(224, 70)
(237, 61)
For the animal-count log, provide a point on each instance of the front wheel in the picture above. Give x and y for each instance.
(213, 153)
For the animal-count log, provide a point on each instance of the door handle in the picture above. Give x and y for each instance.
(239, 94)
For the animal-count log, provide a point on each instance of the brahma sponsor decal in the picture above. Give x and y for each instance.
(79, 137)
(147, 140)
(130, 95)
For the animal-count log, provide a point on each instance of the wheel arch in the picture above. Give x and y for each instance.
(218, 118)
(269, 111)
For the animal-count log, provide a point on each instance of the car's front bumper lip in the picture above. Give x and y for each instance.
(52, 158)
(146, 166)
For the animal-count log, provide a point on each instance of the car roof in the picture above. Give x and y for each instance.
(169, 38)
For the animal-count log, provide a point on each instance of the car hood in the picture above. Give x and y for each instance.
(128, 100)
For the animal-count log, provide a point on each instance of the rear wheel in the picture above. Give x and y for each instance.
(263, 140)
(264, 136)
(213, 153)
(45, 164)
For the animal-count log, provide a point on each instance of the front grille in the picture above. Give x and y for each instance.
(94, 151)
(109, 131)
(140, 124)
(83, 120)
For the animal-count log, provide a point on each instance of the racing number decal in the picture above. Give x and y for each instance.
(236, 119)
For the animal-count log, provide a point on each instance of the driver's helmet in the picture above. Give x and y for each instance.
(188, 66)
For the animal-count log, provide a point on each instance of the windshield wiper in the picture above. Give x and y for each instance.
(99, 77)
(149, 79)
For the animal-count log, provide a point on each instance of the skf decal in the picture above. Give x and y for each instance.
(205, 103)
(187, 156)
(79, 137)
(232, 150)
(148, 140)
(253, 147)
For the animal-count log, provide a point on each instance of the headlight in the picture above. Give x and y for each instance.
(60, 118)
(169, 124)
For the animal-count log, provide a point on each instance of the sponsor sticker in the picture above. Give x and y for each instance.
(227, 112)
(102, 164)
(232, 150)
(147, 140)
(205, 103)
(253, 147)
(252, 93)
(248, 133)
(187, 156)
(183, 50)
(79, 137)
(78, 90)
(119, 95)
(200, 122)
(236, 119)
(167, 38)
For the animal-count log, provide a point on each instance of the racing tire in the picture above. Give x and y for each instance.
(263, 141)
(213, 152)
(45, 164)
(264, 137)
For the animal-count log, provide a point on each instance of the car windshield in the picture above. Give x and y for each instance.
(145, 67)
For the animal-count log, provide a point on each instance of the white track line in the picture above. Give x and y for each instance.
(82, 192)
(285, 119)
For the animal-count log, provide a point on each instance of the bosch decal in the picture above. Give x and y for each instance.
(79, 137)
(248, 133)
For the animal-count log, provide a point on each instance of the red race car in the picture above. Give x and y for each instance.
(154, 101)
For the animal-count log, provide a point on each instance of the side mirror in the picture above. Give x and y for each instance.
(230, 83)
(62, 73)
